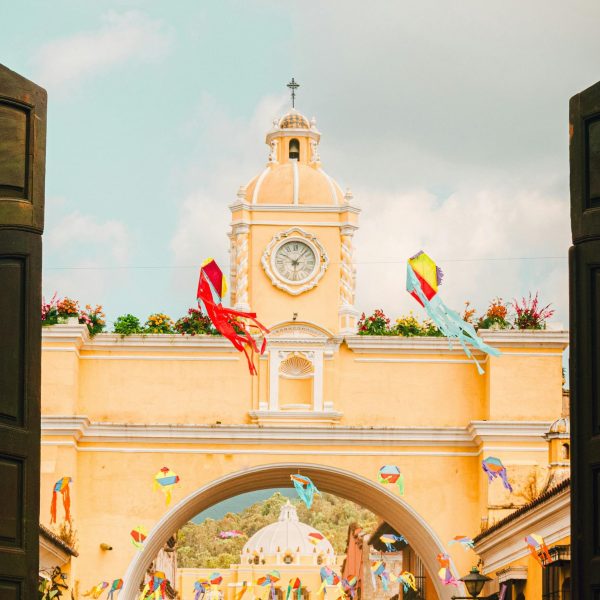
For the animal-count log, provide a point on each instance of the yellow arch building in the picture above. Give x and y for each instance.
(326, 401)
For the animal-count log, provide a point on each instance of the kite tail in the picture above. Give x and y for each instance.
(67, 503)
(503, 589)
(168, 496)
(505, 481)
(53, 508)
(400, 484)
(389, 547)
(385, 582)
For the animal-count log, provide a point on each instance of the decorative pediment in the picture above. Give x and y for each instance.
(292, 332)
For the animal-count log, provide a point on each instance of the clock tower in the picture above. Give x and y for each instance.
(291, 236)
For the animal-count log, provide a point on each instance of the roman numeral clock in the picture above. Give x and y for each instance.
(294, 260)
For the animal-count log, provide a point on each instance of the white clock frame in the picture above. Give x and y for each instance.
(293, 287)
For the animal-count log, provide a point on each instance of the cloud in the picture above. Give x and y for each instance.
(122, 37)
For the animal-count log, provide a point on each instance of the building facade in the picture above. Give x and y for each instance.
(326, 402)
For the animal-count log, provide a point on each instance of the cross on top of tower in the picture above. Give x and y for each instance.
(293, 86)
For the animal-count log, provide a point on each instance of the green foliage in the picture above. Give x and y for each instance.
(127, 325)
(375, 324)
(199, 545)
(195, 323)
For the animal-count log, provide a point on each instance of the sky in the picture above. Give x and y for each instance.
(448, 120)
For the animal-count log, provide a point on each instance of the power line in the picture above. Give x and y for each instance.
(365, 262)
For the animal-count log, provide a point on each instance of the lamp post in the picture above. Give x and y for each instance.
(474, 583)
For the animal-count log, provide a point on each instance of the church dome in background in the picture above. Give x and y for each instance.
(294, 120)
(287, 535)
(561, 426)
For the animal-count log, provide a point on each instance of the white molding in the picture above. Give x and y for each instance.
(81, 428)
(296, 185)
(298, 208)
(258, 184)
(551, 519)
(161, 358)
(455, 361)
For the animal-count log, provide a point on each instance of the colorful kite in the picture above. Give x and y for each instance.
(97, 590)
(329, 577)
(494, 468)
(115, 588)
(389, 539)
(200, 588)
(392, 474)
(315, 537)
(212, 286)
(165, 479)
(423, 278)
(349, 586)
(156, 588)
(305, 487)
(138, 536)
(215, 578)
(226, 535)
(445, 574)
(270, 579)
(538, 547)
(244, 587)
(62, 486)
(463, 540)
(378, 569)
(408, 581)
(294, 586)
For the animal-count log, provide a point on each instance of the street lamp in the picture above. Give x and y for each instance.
(474, 583)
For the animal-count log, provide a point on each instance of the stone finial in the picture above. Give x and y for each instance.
(313, 123)
(241, 193)
(348, 196)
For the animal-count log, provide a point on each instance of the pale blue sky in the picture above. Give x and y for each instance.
(448, 120)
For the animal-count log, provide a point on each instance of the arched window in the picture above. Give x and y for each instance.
(295, 149)
(566, 452)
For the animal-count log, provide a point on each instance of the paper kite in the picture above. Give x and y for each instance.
(226, 535)
(212, 286)
(423, 277)
(329, 577)
(306, 488)
(494, 468)
(215, 578)
(97, 590)
(378, 569)
(156, 588)
(165, 479)
(199, 589)
(389, 539)
(270, 579)
(392, 474)
(138, 536)
(115, 588)
(463, 540)
(244, 587)
(408, 581)
(315, 537)
(294, 587)
(537, 546)
(349, 585)
(445, 574)
(61, 486)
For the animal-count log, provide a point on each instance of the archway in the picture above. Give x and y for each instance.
(327, 479)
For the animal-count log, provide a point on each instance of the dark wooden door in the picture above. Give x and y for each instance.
(584, 277)
(22, 173)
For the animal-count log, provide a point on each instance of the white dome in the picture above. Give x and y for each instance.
(288, 534)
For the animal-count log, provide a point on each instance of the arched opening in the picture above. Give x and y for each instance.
(566, 452)
(345, 484)
(294, 149)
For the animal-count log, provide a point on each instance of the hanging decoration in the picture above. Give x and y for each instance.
(294, 588)
(494, 468)
(537, 548)
(445, 574)
(97, 590)
(115, 588)
(349, 585)
(466, 542)
(331, 578)
(61, 487)
(378, 570)
(165, 479)
(156, 587)
(270, 579)
(305, 487)
(200, 588)
(226, 535)
(212, 286)
(408, 581)
(315, 537)
(423, 277)
(392, 474)
(138, 536)
(243, 586)
(389, 539)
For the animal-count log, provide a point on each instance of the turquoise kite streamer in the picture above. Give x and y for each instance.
(448, 320)
(305, 487)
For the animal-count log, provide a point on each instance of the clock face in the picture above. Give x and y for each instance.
(295, 261)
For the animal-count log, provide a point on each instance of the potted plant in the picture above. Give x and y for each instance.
(495, 317)
(49, 311)
(529, 314)
(195, 323)
(68, 311)
(159, 323)
(376, 324)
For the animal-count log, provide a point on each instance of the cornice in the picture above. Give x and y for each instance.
(81, 429)
(373, 344)
(237, 205)
(550, 519)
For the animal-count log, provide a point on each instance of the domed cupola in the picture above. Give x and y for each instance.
(559, 447)
(286, 541)
(293, 174)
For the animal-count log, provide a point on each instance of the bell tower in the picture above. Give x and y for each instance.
(291, 235)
